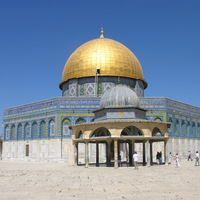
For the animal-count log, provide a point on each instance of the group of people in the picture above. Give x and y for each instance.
(178, 159)
(159, 157)
(196, 157)
(135, 160)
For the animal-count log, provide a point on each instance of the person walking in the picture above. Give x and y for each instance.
(189, 155)
(158, 157)
(119, 161)
(197, 159)
(170, 158)
(135, 159)
(177, 159)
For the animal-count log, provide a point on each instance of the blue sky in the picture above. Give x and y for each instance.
(38, 36)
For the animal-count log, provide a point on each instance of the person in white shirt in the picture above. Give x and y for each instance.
(170, 158)
(177, 159)
(197, 159)
(135, 159)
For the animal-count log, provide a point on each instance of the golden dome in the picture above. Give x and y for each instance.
(110, 57)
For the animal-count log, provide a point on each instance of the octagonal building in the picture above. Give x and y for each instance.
(42, 131)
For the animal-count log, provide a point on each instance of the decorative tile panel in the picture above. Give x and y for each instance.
(72, 90)
(90, 89)
(107, 86)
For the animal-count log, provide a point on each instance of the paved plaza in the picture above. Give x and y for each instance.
(56, 181)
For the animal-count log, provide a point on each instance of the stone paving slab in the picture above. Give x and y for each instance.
(57, 181)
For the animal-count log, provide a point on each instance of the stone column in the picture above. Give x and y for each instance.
(116, 153)
(151, 153)
(97, 154)
(133, 150)
(130, 153)
(108, 146)
(86, 154)
(75, 146)
(143, 152)
(148, 153)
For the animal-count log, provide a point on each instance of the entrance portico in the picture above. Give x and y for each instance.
(127, 133)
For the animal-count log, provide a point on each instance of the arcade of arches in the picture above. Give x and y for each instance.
(116, 137)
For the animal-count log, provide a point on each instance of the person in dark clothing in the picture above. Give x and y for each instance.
(160, 160)
(119, 161)
(189, 155)
(158, 157)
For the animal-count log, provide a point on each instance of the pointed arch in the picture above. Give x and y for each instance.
(27, 130)
(101, 132)
(34, 130)
(193, 129)
(52, 127)
(131, 131)
(80, 121)
(176, 127)
(158, 119)
(19, 131)
(156, 132)
(182, 128)
(198, 130)
(65, 127)
(170, 129)
(7, 132)
(43, 130)
(13, 132)
(188, 129)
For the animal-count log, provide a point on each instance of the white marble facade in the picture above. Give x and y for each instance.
(44, 150)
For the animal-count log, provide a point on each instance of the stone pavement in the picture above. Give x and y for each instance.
(56, 181)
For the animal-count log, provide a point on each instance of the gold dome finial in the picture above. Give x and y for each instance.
(102, 33)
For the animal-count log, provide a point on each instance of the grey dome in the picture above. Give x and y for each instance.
(119, 96)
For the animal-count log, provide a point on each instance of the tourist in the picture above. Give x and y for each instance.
(119, 161)
(197, 159)
(135, 159)
(189, 155)
(170, 158)
(177, 159)
(158, 157)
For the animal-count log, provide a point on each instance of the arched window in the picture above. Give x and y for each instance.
(188, 129)
(43, 130)
(7, 132)
(170, 129)
(101, 132)
(156, 132)
(19, 131)
(27, 130)
(34, 130)
(158, 119)
(198, 130)
(80, 121)
(65, 127)
(13, 132)
(52, 127)
(176, 127)
(182, 128)
(132, 131)
(193, 129)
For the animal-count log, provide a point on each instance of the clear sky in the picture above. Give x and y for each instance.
(38, 36)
